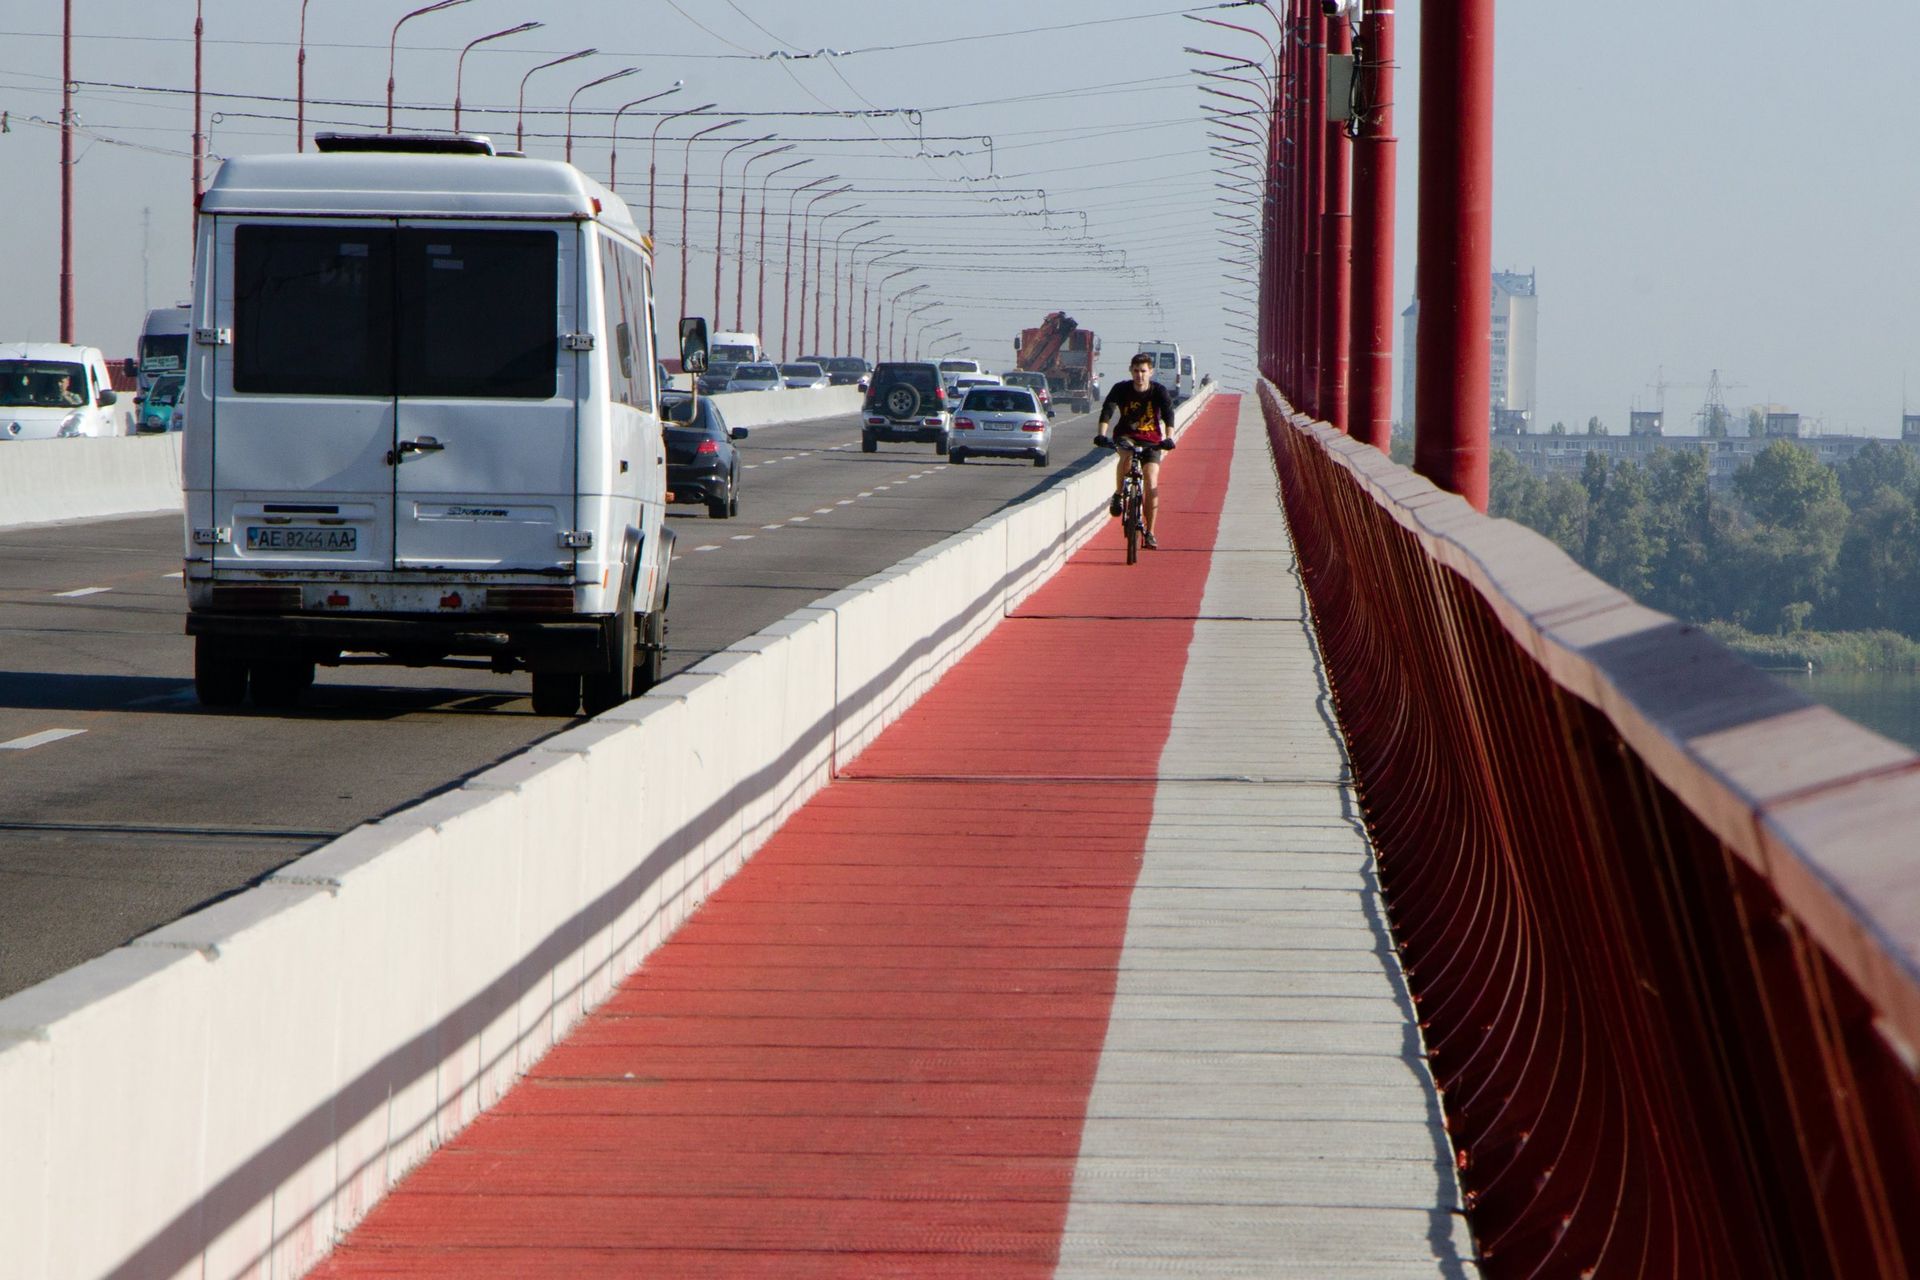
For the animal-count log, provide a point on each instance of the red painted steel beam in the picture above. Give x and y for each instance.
(1313, 130)
(1336, 247)
(1455, 272)
(1370, 406)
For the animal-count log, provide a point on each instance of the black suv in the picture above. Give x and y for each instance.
(906, 400)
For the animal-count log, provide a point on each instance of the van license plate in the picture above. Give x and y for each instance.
(295, 538)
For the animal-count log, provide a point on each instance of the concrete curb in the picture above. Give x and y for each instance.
(231, 1093)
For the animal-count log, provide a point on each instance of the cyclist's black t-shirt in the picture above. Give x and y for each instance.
(1146, 416)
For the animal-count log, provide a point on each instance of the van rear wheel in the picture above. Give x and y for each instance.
(650, 659)
(556, 693)
(605, 690)
(219, 673)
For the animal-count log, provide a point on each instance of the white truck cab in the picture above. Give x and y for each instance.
(423, 426)
(51, 391)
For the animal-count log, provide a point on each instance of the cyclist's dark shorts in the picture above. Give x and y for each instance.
(1147, 455)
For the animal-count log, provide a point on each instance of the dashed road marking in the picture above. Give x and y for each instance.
(41, 739)
(771, 527)
(866, 493)
(83, 591)
(799, 519)
(743, 537)
(175, 574)
(882, 488)
(844, 502)
(711, 546)
(752, 465)
(823, 511)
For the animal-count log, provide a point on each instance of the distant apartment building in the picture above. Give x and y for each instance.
(1513, 373)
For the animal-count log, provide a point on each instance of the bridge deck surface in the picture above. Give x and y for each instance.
(1080, 970)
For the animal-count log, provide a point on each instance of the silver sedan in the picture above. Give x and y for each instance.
(1002, 422)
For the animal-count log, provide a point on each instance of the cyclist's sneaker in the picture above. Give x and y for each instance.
(1148, 541)
(1113, 505)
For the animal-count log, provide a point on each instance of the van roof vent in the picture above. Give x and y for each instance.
(455, 144)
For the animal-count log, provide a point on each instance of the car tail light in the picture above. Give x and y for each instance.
(932, 422)
(1033, 424)
(939, 393)
(963, 424)
(876, 422)
(707, 446)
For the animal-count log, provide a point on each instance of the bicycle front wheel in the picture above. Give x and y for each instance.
(1133, 528)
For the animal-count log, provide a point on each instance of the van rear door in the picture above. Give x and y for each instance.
(303, 417)
(486, 415)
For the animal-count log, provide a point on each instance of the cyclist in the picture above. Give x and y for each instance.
(1142, 412)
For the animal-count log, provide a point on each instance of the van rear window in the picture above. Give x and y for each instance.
(332, 311)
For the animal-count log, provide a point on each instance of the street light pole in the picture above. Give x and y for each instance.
(459, 67)
(613, 154)
(686, 174)
(740, 252)
(720, 219)
(300, 85)
(760, 304)
(806, 229)
(66, 160)
(653, 150)
(895, 320)
(866, 296)
(621, 74)
(836, 276)
(520, 112)
(786, 284)
(393, 41)
(880, 311)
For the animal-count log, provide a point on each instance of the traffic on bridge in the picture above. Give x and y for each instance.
(982, 665)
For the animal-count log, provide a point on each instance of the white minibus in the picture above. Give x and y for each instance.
(163, 345)
(1168, 370)
(423, 424)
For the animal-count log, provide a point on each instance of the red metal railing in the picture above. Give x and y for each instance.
(1660, 913)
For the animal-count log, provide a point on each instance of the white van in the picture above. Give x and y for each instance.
(735, 348)
(423, 424)
(51, 390)
(1168, 369)
(163, 344)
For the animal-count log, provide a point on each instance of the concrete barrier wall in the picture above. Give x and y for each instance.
(229, 1094)
(47, 480)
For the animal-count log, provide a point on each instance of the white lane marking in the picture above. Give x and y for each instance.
(789, 458)
(711, 546)
(83, 591)
(844, 502)
(743, 537)
(768, 463)
(752, 465)
(823, 511)
(33, 740)
(770, 527)
(882, 488)
(799, 520)
(173, 575)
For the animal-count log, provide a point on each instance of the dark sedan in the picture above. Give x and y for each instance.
(702, 464)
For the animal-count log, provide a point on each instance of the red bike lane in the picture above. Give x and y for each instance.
(869, 1053)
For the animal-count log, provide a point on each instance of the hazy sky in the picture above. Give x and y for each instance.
(1714, 185)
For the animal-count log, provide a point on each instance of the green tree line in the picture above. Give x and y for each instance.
(1795, 547)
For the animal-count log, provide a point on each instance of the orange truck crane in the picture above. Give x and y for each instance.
(1067, 354)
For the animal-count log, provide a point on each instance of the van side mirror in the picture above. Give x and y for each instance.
(693, 344)
(108, 396)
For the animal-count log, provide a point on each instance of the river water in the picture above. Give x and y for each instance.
(1884, 701)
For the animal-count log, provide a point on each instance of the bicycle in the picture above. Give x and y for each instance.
(1133, 495)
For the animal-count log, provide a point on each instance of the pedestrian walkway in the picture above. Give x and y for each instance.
(1079, 970)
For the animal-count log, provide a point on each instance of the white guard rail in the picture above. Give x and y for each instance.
(42, 481)
(229, 1094)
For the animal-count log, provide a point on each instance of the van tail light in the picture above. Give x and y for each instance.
(707, 446)
(940, 393)
(1033, 424)
(876, 422)
(963, 424)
